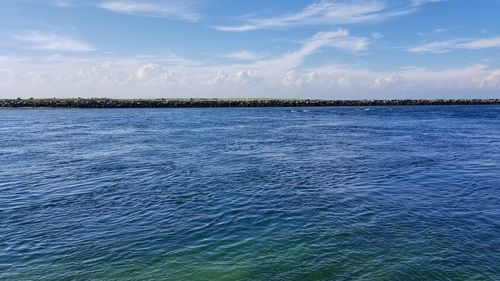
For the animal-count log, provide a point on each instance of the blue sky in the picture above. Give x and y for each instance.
(334, 49)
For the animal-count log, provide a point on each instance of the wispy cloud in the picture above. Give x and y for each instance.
(242, 55)
(169, 59)
(416, 3)
(57, 3)
(457, 44)
(63, 3)
(328, 12)
(37, 40)
(339, 39)
(183, 10)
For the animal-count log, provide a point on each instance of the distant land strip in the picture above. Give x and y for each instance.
(199, 102)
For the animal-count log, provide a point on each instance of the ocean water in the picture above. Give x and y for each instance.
(382, 193)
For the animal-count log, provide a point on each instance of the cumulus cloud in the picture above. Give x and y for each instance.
(295, 79)
(152, 73)
(457, 44)
(491, 81)
(387, 80)
(37, 40)
(284, 75)
(328, 12)
(140, 77)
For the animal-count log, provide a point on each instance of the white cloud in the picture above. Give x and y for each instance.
(98, 75)
(242, 55)
(456, 44)
(339, 39)
(154, 74)
(220, 78)
(343, 40)
(416, 3)
(377, 35)
(491, 81)
(4, 76)
(57, 3)
(146, 72)
(484, 43)
(145, 77)
(387, 80)
(184, 10)
(63, 3)
(168, 59)
(328, 12)
(51, 42)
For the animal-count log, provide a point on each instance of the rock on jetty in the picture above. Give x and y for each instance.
(186, 103)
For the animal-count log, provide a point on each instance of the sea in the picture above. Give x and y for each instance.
(320, 193)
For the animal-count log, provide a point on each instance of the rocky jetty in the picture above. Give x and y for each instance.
(186, 103)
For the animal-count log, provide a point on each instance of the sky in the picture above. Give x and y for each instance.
(326, 49)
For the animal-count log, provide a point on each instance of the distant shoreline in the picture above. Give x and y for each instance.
(217, 103)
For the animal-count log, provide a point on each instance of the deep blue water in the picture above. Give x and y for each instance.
(382, 193)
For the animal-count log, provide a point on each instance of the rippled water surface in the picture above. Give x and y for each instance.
(386, 193)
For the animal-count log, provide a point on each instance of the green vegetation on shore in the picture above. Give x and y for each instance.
(215, 102)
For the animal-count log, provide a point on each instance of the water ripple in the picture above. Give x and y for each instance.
(389, 193)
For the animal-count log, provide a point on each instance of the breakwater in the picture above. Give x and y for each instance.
(186, 103)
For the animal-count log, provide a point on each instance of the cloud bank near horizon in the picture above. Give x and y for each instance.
(141, 77)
